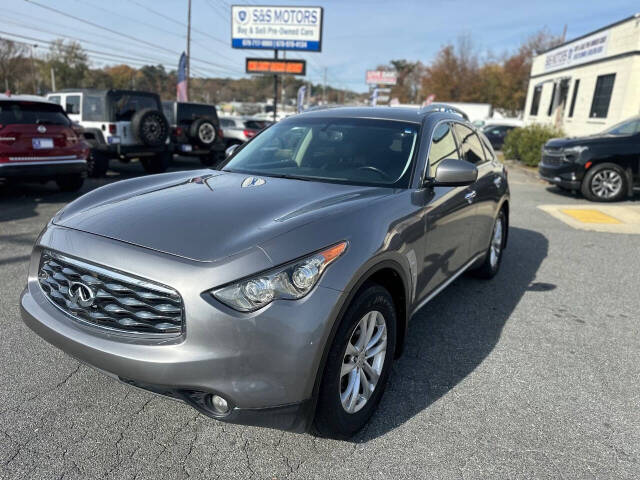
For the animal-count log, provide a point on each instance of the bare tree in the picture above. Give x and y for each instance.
(11, 61)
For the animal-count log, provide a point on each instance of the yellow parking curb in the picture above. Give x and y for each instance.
(603, 218)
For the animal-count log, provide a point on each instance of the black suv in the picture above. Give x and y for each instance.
(195, 131)
(121, 124)
(604, 167)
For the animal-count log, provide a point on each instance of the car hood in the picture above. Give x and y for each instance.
(574, 141)
(210, 216)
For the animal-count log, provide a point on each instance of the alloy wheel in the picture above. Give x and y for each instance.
(606, 184)
(207, 133)
(363, 361)
(496, 242)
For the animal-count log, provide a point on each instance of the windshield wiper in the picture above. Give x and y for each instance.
(285, 175)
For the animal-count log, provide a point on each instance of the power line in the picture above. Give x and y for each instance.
(101, 27)
(166, 17)
(122, 34)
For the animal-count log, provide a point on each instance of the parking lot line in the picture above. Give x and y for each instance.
(604, 218)
(589, 215)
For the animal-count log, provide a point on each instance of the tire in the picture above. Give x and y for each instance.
(156, 164)
(493, 257)
(371, 303)
(70, 183)
(606, 182)
(203, 131)
(97, 164)
(150, 127)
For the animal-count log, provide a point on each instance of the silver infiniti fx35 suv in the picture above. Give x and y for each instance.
(275, 291)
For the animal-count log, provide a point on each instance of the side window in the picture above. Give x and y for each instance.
(602, 96)
(535, 101)
(54, 99)
(72, 104)
(224, 122)
(488, 151)
(443, 146)
(470, 146)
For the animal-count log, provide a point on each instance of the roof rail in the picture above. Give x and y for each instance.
(443, 107)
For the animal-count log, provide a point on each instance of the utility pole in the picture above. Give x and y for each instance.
(284, 55)
(275, 91)
(324, 86)
(188, 46)
(33, 71)
(53, 80)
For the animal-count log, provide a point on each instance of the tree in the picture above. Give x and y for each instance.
(11, 63)
(69, 62)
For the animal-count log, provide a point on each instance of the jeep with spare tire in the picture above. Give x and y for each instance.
(122, 124)
(195, 131)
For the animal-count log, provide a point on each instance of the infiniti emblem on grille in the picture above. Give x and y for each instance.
(81, 294)
(42, 128)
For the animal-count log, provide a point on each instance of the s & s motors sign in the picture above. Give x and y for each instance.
(281, 28)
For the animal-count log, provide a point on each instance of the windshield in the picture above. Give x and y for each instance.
(32, 112)
(628, 127)
(125, 105)
(352, 151)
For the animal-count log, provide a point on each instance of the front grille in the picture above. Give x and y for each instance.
(109, 299)
(554, 160)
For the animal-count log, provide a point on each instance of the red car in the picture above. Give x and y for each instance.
(38, 143)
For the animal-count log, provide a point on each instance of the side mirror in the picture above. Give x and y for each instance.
(453, 172)
(229, 151)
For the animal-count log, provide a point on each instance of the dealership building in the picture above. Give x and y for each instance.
(587, 84)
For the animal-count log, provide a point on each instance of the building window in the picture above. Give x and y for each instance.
(535, 102)
(576, 84)
(553, 97)
(602, 96)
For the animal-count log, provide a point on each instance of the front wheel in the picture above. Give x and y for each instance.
(358, 364)
(156, 164)
(604, 183)
(493, 257)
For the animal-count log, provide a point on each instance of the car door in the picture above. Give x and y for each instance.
(448, 217)
(485, 193)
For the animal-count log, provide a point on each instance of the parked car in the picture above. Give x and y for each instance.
(237, 130)
(276, 291)
(195, 131)
(496, 134)
(38, 143)
(121, 124)
(604, 167)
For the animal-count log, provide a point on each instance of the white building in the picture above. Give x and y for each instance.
(585, 85)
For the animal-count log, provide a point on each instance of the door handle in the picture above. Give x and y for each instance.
(470, 196)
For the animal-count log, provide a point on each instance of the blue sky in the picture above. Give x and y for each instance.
(358, 34)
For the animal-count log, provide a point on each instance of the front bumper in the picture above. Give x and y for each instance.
(566, 175)
(42, 168)
(264, 364)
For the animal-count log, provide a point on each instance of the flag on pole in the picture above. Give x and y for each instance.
(301, 93)
(181, 87)
(374, 97)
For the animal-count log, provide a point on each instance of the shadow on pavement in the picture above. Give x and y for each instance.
(455, 332)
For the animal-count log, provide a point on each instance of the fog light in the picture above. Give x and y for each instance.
(220, 405)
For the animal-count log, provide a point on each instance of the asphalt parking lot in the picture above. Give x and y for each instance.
(532, 375)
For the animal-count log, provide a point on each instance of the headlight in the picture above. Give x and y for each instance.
(575, 150)
(288, 282)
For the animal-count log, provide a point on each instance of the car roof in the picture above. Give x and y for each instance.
(404, 114)
(98, 91)
(25, 98)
